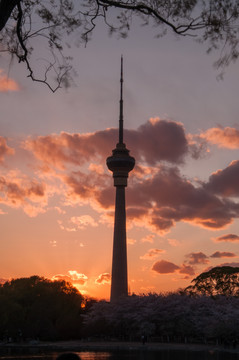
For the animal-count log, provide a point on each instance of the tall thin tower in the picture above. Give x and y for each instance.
(120, 163)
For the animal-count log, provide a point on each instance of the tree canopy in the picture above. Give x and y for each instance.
(170, 317)
(36, 307)
(24, 22)
(221, 280)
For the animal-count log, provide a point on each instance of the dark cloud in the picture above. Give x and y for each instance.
(164, 267)
(158, 197)
(222, 254)
(171, 197)
(18, 190)
(232, 264)
(225, 182)
(167, 142)
(158, 140)
(187, 269)
(106, 197)
(228, 237)
(81, 184)
(159, 200)
(197, 258)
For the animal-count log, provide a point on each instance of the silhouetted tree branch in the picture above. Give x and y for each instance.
(24, 22)
(220, 280)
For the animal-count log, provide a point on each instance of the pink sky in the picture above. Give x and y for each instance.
(57, 196)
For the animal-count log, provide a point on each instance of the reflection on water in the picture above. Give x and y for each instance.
(131, 355)
(159, 355)
(89, 355)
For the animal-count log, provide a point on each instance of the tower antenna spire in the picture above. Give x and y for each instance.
(121, 104)
(120, 163)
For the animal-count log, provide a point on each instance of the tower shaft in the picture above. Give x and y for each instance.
(119, 286)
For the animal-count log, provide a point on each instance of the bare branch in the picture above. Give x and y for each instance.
(149, 11)
(214, 22)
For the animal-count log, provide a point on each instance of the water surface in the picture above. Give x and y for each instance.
(128, 355)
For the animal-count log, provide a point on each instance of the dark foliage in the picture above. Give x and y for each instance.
(173, 317)
(221, 280)
(36, 307)
(207, 310)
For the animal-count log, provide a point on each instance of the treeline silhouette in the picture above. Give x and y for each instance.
(174, 317)
(38, 308)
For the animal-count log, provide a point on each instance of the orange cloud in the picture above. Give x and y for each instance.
(16, 190)
(143, 172)
(223, 137)
(7, 84)
(81, 222)
(96, 168)
(152, 254)
(4, 149)
(78, 223)
(228, 237)
(53, 243)
(73, 277)
(156, 198)
(148, 238)
(77, 278)
(131, 241)
(156, 202)
(167, 142)
(174, 242)
(103, 279)
(71, 149)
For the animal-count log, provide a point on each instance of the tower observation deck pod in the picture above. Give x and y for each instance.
(120, 163)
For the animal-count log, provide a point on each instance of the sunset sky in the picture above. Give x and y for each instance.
(57, 196)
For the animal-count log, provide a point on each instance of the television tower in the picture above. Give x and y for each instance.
(120, 163)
